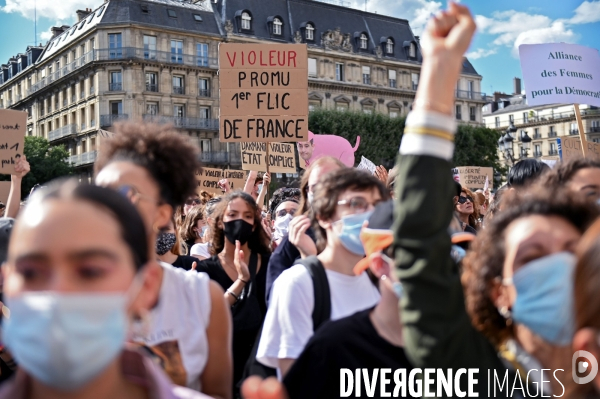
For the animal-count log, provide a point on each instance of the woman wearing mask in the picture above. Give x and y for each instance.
(466, 212)
(75, 278)
(342, 202)
(283, 215)
(241, 249)
(514, 317)
(193, 229)
(300, 241)
(203, 250)
(168, 249)
(155, 168)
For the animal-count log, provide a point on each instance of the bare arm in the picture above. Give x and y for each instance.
(261, 197)
(218, 373)
(249, 186)
(14, 196)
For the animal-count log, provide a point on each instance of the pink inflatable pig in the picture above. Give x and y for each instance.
(320, 145)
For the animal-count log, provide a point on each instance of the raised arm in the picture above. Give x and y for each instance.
(249, 186)
(14, 196)
(437, 329)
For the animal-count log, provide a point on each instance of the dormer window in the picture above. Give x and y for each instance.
(310, 32)
(389, 46)
(364, 41)
(246, 21)
(277, 24)
(412, 50)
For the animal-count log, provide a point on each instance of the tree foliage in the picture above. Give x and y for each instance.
(380, 137)
(47, 163)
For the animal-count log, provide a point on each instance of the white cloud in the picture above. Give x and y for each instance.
(555, 33)
(417, 12)
(47, 35)
(587, 12)
(63, 10)
(481, 53)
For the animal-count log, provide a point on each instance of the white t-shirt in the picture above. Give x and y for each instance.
(200, 250)
(288, 324)
(176, 336)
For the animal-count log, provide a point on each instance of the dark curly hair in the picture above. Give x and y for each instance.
(563, 172)
(329, 189)
(170, 157)
(259, 241)
(484, 263)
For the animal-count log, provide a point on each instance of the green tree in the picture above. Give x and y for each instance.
(380, 137)
(47, 163)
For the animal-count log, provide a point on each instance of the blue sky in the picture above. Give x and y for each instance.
(502, 26)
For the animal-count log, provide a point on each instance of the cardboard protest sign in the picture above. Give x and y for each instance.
(208, 180)
(281, 159)
(560, 73)
(570, 148)
(321, 145)
(367, 165)
(263, 92)
(4, 191)
(236, 178)
(474, 177)
(12, 135)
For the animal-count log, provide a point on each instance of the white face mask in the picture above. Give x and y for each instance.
(65, 340)
(282, 226)
(202, 232)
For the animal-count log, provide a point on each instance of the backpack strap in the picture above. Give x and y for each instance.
(322, 309)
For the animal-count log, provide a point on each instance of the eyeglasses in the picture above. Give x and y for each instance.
(462, 200)
(357, 204)
(193, 201)
(284, 212)
(133, 194)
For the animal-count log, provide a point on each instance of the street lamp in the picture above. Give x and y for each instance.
(526, 140)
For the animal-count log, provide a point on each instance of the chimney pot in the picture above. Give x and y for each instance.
(81, 14)
(516, 86)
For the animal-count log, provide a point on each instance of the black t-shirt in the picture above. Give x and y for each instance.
(189, 244)
(348, 343)
(243, 341)
(185, 262)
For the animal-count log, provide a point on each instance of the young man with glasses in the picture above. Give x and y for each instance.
(343, 201)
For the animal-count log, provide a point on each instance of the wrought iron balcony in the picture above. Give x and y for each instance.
(115, 86)
(185, 123)
(552, 134)
(537, 154)
(470, 95)
(108, 120)
(83, 159)
(150, 87)
(203, 93)
(573, 132)
(553, 152)
(65, 131)
(537, 135)
(178, 90)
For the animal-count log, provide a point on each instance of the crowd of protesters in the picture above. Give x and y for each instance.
(138, 286)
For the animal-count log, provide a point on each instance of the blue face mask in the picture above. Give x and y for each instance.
(65, 340)
(457, 253)
(544, 301)
(350, 234)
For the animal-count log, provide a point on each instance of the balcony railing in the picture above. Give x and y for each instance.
(472, 118)
(115, 86)
(573, 132)
(553, 152)
(552, 134)
(470, 95)
(393, 83)
(595, 129)
(67, 69)
(61, 132)
(545, 118)
(366, 79)
(185, 123)
(150, 87)
(108, 120)
(537, 135)
(83, 159)
(537, 154)
(159, 56)
(178, 90)
(203, 93)
(221, 158)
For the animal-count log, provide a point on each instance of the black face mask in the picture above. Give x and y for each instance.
(164, 243)
(238, 230)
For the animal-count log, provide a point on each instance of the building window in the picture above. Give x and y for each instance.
(553, 150)
(246, 21)
(414, 80)
(203, 87)
(310, 32)
(339, 72)
(551, 132)
(205, 145)
(394, 112)
(472, 114)
(412, 50)
(537, 150)
(497, 122)
(144, 9)
(525, 117)
(314, 104)
(202, 54)
(177, 51)
(341, 106)
(152, 108)
(179, 111)
(277, 24)
(171, 13)
(458, 112)
(389, 46)
(364, 41)
(178, 85)
(312, 67)
(197, 18)
(574, 129)
(204, 113)
(116, 82)
(150, 47)
(392, 78)
(366, 73)
(151, 81)
(116, 108)
(114, 45)
(367, 109)
(511, 118)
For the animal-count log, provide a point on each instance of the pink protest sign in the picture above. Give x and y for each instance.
(322, 145)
